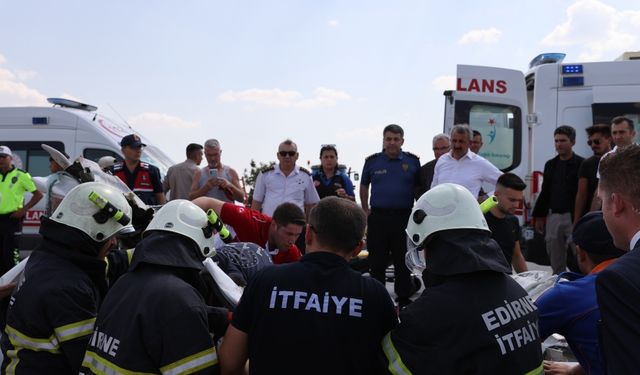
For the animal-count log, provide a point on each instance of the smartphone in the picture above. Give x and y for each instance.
(213, 173)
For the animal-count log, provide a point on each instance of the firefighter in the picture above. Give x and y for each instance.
(53, 310)
(472, 317)
(154, 319)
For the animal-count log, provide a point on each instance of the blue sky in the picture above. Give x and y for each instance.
(252, 73)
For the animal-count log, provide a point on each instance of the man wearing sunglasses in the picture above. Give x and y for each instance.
(142, 178)
(600, 142)
(284, 182)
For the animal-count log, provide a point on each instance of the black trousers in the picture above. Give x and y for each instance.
(10, 230)
(386, 239)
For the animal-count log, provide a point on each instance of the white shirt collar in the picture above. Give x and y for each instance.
(295, 171)
(634, 240)
(469, 155)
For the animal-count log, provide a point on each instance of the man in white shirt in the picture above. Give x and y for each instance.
(618, 286)
(462, 166)
(284, 182)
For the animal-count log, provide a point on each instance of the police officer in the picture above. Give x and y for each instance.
(154, 320)
(337, 314)
(52, 312)
(142, 178)
(394, 177)
(472, 317)
(329, 179)
(14, 183)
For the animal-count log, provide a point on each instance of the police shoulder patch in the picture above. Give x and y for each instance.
(268, 168)
(412, 154)
(305, 170)
(372, 156)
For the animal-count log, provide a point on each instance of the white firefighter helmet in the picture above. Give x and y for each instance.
(96, 209)
(185, 218)
(106, 162)
(444, 207)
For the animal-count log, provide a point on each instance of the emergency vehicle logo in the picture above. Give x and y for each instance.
(492, 134)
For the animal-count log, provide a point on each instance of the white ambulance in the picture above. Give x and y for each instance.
(517, 112)
(69, 126)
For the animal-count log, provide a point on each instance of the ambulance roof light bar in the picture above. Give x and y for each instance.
(67, 103)
(547, 58)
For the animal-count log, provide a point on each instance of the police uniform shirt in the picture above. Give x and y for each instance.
(316, 316)
(13, 185)
(393, 181)
(145, 190)
(274, 188)
(327, 186)
(470, 171)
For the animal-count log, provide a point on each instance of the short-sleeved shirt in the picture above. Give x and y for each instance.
(328, 186)
(471, 171)
(274, 188)
(326, 318)
(393, 180)
(13, 185)
(179, 178)
(253, 226)
(505, 231)
(588, 169)
(145, 180)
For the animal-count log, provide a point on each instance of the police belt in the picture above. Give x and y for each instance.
(391, 211)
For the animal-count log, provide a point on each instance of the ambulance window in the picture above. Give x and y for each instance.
(603, 113)
(95, 154)
(501, 129)
(30, 156)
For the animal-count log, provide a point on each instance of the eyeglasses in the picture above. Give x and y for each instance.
(594, 141)
(287, 153)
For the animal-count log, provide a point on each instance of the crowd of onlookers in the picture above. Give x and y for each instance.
(313, 312)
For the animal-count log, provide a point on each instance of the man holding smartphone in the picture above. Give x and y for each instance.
(216, 180)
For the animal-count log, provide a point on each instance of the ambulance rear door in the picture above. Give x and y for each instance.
(492, 101)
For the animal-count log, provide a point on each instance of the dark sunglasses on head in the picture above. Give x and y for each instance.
(287, 153)
(595, 142)
(327, 147)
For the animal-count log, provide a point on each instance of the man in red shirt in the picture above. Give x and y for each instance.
(277, 235)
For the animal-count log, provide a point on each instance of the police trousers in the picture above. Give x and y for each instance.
(10, 231)
(386, 238)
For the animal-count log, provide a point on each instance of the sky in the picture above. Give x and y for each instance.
(253, 73)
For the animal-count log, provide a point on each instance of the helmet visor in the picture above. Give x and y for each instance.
(414, 259)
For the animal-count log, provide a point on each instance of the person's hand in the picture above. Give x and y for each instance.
(19, 214)
(540, 225)
(341, 193)
(6, 290)
(222, 183)
(561, 368)
(213, 182)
